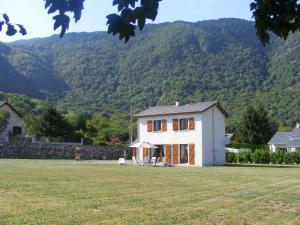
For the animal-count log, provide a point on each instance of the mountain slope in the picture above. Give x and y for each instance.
(217, 59)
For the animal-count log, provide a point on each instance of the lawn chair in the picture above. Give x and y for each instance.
(153, 160)
(121, 161)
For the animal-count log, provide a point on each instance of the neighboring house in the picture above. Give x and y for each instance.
(192, 134)
(289, 141)
(14, 125)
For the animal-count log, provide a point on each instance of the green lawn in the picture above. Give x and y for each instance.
(69, 192)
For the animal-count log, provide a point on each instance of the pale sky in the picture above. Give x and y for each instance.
(38, 23)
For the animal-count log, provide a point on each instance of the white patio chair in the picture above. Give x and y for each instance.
(121, 161)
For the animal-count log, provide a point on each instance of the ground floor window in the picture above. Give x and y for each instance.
(184, 154)
(17, 131)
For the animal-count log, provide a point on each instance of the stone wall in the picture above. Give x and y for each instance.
(28, 150)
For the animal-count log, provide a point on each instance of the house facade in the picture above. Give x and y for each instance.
(192, 134)
(15, 123)
(289, 141)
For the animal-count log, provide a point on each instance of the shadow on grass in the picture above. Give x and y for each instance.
(262, 165)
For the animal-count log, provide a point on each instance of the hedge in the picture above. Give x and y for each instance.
(263, 156)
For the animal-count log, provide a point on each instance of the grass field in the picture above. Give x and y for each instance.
(69, 192)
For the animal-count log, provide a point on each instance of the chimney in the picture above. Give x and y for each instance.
(177, 103)
(298, 125)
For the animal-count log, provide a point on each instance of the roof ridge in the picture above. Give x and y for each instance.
(184, 104)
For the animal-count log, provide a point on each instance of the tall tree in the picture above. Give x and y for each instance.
(48, 124)
(255, 126)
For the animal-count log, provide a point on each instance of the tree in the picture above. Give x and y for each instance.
(102, 129)
(255, 126)
(4, 116)
(277, 16)
(48, 124)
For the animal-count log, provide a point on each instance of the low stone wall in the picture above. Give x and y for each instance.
(27, 150)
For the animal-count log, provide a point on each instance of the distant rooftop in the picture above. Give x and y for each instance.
(180, 109)
(287, 139)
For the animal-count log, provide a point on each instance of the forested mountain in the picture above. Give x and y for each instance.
(210, 60)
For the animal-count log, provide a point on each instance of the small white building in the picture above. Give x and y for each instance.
(192, 134)
(289, 141)
(14, 125)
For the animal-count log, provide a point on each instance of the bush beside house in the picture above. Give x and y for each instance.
(262, 156)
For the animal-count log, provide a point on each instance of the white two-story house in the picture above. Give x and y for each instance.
(192, 134)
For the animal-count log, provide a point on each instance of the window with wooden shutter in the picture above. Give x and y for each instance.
(175, 154)
(133, 152)
(192, 154)
(175, 124)
(191, 123)
(168, 153)
(164, 125)
(145, 152)
(149, 125)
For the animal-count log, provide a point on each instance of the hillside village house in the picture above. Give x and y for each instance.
(289, 141)
(192, 134)
(14, 125)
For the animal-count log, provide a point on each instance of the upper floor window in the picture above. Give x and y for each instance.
(184, 124)
(157, 125)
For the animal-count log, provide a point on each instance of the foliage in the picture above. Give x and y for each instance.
(4, 116)
(255, 126)
(277, 16)
(102, 128)
(244, 156)
(261, 156)
(211, 60)
(48, 124)
(231, 157)
(12, 29)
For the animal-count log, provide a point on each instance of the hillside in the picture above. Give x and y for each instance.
(216, 59)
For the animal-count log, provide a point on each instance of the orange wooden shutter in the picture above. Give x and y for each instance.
(192, 154)
(191, 123)
(175, 124)
(175, 154)
(168, 153)
(133, 152)
(164, 125)
(149, 125)
(145, 152)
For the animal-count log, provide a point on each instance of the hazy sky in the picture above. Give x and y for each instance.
(34, 17)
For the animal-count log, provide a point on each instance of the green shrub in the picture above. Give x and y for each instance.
(261, 156)
(231, 157)
(280, 157)
(295, 157)
(244, 156)
(287, 158)
(273, 157)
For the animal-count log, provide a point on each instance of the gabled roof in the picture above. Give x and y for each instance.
(280, 138)
(287, 139)
(6, 103)
(181, 109)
